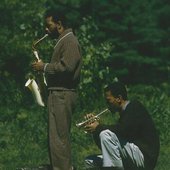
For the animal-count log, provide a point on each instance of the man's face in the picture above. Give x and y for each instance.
(113, 102)
(51, 28)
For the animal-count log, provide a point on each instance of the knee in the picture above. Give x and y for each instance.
(107, 135)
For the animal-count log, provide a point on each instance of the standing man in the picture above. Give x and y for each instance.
(132, 143)
(63, 75)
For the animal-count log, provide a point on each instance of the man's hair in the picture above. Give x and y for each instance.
(56, 16)
(117, 88)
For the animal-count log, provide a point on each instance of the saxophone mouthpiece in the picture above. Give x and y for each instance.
(47, 31)
(39, 40)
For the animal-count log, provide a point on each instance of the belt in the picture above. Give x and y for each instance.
(60, 89)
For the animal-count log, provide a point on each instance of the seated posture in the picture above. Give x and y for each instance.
(132, 143)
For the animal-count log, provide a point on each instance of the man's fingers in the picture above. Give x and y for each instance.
(88, 116)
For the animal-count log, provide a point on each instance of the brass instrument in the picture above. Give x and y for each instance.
(38, 88)
(35, 43)
(96, 117)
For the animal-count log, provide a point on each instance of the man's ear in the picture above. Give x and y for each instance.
(59, 24)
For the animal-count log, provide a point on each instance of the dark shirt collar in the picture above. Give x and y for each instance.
(124, 108)
(125, 105)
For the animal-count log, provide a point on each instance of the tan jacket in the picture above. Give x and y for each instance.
(63, 71)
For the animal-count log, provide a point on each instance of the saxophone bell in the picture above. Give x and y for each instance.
(33, 86)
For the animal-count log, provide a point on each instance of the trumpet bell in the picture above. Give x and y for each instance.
(32, 85)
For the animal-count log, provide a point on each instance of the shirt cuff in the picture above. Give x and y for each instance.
(45, 66)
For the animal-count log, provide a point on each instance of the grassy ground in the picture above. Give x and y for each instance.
(25, 150)
(23, 131)
(164, 157)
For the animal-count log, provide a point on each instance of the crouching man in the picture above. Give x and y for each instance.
(130, 144)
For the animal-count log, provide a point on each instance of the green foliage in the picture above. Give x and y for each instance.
(121, 39)
(23, 138)
(21, 23)
(156, 99)
(95, 72)
(138, 31)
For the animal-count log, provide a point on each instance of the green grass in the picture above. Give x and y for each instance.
(23, 141)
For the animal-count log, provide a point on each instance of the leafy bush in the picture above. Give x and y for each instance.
(156, 99)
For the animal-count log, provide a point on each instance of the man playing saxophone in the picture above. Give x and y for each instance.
(132, 143)
(63, 75)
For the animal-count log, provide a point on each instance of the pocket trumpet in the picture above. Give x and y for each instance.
(96, 117)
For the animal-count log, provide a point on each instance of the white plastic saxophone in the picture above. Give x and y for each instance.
(38, 88)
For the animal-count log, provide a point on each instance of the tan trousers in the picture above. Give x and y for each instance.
(60, 107)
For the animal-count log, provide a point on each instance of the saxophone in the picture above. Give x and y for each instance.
(38, 86)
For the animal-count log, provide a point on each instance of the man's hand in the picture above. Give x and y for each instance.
(91, 125)
(38, 66)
